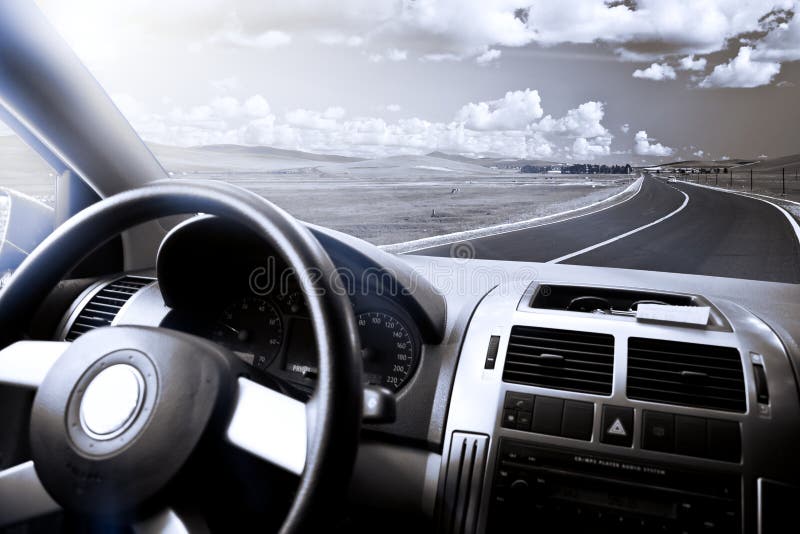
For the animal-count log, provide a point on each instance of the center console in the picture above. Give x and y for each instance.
(579, 422)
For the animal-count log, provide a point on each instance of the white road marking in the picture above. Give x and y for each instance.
(762, 198)
(626, 234)
(507, 228)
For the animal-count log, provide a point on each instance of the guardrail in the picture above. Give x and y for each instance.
(784, 181)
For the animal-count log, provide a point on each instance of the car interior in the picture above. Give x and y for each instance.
(182, 355)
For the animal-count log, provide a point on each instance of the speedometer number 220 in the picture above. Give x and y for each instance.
(388, 349)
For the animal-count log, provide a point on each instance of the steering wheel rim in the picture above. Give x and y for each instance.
(337, 399)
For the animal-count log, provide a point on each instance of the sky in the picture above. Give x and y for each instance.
(567, 80)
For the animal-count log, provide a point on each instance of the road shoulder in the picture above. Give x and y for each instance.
(446, 239)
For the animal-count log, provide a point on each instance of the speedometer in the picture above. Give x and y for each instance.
(388, 349)
(253, 328)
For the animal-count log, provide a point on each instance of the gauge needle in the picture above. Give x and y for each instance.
(229, 327)
(241, 335)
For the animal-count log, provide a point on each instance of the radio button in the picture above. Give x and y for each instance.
(509, 419)
(523, 420)
(519, 401)
(578, 420)
(658, 433)
(519, 485)
(724, 440)
(690, 435)
(547, 414)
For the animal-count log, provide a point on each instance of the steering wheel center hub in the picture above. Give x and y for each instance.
(112, 401)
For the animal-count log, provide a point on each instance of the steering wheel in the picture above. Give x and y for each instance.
(119, 413)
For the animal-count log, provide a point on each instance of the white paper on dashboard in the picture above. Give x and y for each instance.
(673, 314)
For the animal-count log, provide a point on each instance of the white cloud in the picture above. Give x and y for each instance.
(644, 147)
(653, 28)
(312, 120)
(659, 31)
(782, 43)
(656, 71)
(581, 148)
(234, 34)
(394, 108)
(392, 54)
(395, 54)
(439, 57)
(513, 125)
(583, 121)
(488, 56)
(625, 128)
(699, 153)
(334, 112)
(690, 63)
(514, 111)
(257, 106)
(742, 71)
(226, 85)
(330, 37)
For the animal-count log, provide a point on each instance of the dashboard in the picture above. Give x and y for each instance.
(515, 406)
(273, 333)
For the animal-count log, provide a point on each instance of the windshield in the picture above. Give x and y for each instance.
(609, 133)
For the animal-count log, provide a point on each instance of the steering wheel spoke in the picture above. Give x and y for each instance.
(167, 521)
(25, 363)
(269, 425)
(22, 496)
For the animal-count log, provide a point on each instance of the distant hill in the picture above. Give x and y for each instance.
(764, 165)
(238, 158)
(410, 165)
(266, 151)
(494, 161)
(776, 164)
(707, 164)
(216, 160)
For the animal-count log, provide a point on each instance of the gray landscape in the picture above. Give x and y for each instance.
(386, 200)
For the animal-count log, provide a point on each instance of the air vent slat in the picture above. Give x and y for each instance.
(676, 377)
(545, 369)
(687, 374)
(664, 385)
(586, 360)
(697, 401)
(95, 311)
(729, 372)
(590, 366)
(545, 348)
(555, 382)
(573, 343)
(691, 358)
(103, 307)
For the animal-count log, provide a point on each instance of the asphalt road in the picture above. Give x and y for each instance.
(673, 227)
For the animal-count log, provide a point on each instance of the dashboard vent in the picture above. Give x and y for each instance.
(104, 306)
(458, 509)
(560, 359)
(686, 374)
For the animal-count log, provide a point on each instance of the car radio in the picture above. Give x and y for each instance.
(574, 491)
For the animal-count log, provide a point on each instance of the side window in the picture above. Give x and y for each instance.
(27, 197)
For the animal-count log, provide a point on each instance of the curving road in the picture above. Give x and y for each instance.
(673, 227)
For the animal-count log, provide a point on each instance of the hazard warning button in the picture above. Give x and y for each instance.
(617, 427)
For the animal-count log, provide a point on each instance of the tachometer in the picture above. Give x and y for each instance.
(252, 327)
(388, 348)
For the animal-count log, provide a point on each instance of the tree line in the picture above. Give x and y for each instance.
(579, 168)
